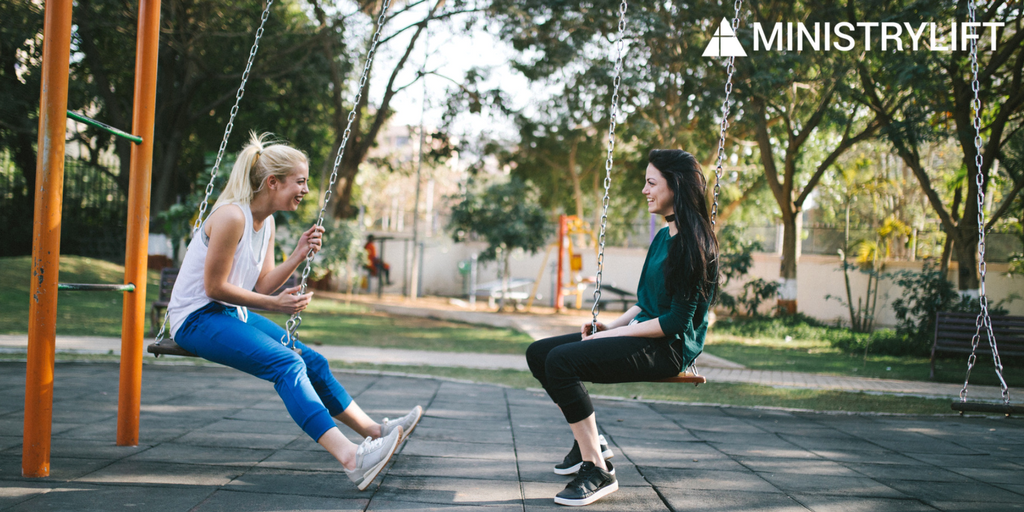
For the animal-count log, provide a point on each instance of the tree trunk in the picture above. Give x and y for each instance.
(787, 270)
(966, 247)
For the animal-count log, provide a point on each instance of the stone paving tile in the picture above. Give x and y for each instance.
(489, 451)
(706, 480)
(146, 472)
(61, 469)
(102, 498)
(231, 501)
(424, 431)
(961, 506)
(386, 505)
(450, 467)
(796, 466)
(190, 454)
(682, 500)
(990, 475)
(886, 472)
(232, 440)
(819, 503)
(85, 449)
(753, 449)
(456, 491)
(834, 485)
(942, 491)
(325, 484)
(541, 496)
(13, 493)
(301, 460)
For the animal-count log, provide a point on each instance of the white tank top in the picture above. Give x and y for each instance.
(189, 292)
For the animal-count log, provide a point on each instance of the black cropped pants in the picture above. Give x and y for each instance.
(562, 363)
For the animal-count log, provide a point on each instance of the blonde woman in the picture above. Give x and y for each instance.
(230, 267)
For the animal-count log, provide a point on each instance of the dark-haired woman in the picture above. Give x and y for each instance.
(655, 339)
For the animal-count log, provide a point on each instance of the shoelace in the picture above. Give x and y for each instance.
(371, 444)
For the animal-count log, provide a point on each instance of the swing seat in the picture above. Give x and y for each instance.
(686, 378)
(168, 347)
(1006, 409)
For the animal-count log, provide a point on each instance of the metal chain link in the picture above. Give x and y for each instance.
(730, 69)
(292, 326)
(224, 141)
(613, 114)
(983, 320)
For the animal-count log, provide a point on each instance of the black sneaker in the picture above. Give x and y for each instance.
(571, 463)
(591, 484)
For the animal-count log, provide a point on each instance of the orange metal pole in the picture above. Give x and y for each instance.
(133, 318)
(559, 276)
(42, 312)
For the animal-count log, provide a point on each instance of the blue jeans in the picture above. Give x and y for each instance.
(310, 392)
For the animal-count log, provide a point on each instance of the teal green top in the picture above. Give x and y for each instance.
(681, 318)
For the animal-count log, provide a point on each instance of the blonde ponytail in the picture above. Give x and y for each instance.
(259, 159)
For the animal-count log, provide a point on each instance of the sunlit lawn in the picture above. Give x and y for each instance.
(812, 356)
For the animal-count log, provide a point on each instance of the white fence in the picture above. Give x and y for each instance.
(818, 276)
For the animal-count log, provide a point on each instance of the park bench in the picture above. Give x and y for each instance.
(167, 346)
(492, 290)
(954, 332)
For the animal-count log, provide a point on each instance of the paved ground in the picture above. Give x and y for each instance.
(215, 439)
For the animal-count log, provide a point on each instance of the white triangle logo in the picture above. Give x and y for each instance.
(724, 43)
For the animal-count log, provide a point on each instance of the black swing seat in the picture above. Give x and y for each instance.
(1006, 409)
(168, 347)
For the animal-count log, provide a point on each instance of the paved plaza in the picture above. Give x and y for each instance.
(215, 439)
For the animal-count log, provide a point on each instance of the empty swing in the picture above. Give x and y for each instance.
(984, 321)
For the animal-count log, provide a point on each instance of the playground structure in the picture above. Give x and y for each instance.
(42, 330)
(47, 223)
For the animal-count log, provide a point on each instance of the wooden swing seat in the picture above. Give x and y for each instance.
(686, 378)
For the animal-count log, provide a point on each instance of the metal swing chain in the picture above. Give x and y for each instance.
(983, 320)
(292, 326)
(224, 141)
(620, 45)
(730, 68)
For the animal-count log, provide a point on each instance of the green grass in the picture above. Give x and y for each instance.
(816, 356)
(711, 393)
(746, 395)
(334, 323)
(78, 313)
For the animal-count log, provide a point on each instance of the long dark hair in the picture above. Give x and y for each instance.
(692, 263)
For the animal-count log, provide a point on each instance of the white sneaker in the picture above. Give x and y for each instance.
(407, 422)
(372, 456)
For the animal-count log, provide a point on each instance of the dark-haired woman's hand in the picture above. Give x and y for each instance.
(586, 329)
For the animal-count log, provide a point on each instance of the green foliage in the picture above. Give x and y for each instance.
(925, 293)
(737, 258)
(506, 215)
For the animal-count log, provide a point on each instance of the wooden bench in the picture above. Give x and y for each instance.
(954, 332)
(167, 346)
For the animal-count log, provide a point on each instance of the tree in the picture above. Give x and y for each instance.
(370, 119)
(507, 216)
(921, 96)
(794, 97)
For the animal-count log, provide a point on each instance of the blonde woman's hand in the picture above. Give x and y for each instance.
(311, 239)
(290, 303)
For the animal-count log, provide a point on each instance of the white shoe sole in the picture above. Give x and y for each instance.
(372, 473)
(405, 433)
(607, 454)
(589, 499)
